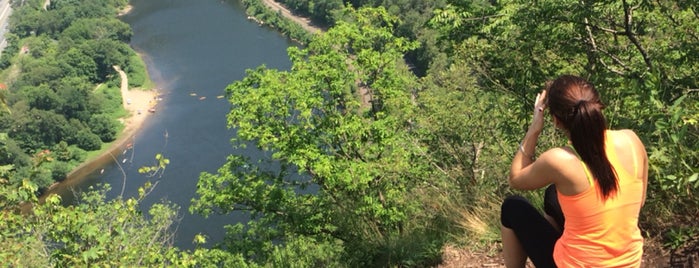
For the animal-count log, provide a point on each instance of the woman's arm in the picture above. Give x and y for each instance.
(525, 172)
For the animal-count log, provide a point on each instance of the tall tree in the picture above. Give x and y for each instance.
(343, 170)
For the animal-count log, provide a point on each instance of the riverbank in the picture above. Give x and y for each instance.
(125, 10)
(136, 102)
(139, 104)
(305, 23)
(274, 15)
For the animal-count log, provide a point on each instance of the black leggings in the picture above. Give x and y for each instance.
(533, 231)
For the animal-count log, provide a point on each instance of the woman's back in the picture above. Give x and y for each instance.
(600, 186)
(601, 231)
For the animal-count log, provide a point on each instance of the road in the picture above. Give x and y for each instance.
(5, 11)
(304, 22)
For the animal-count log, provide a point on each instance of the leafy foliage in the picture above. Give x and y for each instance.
(335, 124)
(93, 232)
(103, 126)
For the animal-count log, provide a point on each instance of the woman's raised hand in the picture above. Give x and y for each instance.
(539, 107)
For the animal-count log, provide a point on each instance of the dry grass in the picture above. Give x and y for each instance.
(479, 221)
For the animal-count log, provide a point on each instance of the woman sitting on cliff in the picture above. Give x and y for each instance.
(600, 183)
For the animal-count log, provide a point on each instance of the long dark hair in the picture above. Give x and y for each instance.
(577, 106)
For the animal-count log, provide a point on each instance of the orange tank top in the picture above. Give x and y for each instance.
(600, 233)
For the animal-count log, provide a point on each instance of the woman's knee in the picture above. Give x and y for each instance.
(513, 209)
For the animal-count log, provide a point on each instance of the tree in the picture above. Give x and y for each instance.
(338, 127)
(35, 72)
(62, 152)
(104, 126)
(3, 101)
(11, 153)
(76, 95)
(97, 28)
(24, 21)
(106, 53)
(79, 63)
(88, 141)
(42, 97)
(35, 129)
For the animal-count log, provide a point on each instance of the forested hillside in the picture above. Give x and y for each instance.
(393, 129)
(61, 93)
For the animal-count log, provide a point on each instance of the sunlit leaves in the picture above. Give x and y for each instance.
(156, 170)
(336, 123)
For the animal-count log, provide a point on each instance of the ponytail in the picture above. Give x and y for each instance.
(587, 130)
(576, 104)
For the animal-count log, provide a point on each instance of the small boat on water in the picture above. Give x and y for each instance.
(202, 98)
(152, 110)
(192, 94)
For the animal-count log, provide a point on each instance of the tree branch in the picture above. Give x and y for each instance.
(477, 149)
(628, 16)
(616, 60)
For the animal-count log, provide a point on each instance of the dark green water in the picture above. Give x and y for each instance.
(189, 47)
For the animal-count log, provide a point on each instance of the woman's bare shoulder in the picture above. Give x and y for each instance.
(623, 131)
(627, 134)
(563, 166)
(559, 157)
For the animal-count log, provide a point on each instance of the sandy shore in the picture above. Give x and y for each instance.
(136, 102)
(125, 10)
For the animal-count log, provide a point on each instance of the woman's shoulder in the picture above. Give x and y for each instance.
(559, 157)
(562, 152)
(623, 136)
(623, 131)
(566, 167)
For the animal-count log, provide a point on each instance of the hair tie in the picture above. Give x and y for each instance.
(576, 107)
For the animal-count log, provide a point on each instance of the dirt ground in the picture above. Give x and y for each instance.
(653, 256)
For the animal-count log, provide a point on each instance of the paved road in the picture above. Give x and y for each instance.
(5, 12)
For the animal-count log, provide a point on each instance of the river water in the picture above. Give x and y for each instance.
(192, 49)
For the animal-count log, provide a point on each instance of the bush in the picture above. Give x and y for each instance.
(78, 155)
(60, 170)
(88, 141)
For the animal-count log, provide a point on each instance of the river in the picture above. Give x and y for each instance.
(192, 49)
